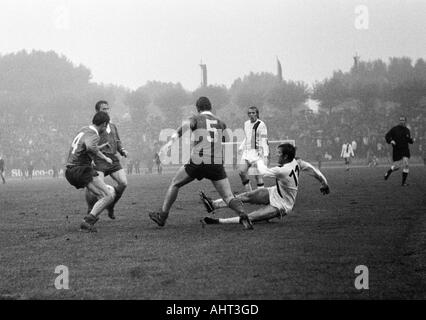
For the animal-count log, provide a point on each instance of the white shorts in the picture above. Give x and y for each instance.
(278, 202)
(246, 157)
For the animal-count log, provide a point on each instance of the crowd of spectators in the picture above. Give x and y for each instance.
(32, 141)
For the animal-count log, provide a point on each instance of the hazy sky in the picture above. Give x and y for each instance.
(129, 42)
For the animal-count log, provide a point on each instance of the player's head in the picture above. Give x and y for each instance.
(253, 113)
(402, 120)
(100, 120)
(286, 153)
(203, 104)
(102, 105)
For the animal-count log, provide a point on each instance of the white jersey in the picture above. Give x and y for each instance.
(256, 137)
(283, 194)
(347, 150)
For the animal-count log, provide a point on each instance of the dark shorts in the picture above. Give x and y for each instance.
(105, 167)
(398, 154)
(80, 176)
(212, 172)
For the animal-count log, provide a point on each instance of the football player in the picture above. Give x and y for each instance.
(110, 144)
(80, 173)
(399, 137)
(255, 142)
(279, 199)
(206, 161)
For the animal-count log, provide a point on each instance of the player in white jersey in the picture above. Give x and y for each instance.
(279, 200)
(347, 153)
(255, 143)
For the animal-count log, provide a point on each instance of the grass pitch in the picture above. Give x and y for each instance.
(309, 254)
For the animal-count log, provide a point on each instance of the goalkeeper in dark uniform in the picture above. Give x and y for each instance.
(399, 137)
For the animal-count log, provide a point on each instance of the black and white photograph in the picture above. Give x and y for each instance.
(212, 154)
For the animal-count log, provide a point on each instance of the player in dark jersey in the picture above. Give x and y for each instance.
(110, 144)
(80, 173)
(399, 137)
(206, 161)
(2, 167)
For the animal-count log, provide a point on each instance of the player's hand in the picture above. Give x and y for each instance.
(125, 153)
(393, 143)
(325, 189)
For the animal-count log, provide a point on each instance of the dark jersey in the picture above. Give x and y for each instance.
(110, 136)
(401, 135)
(208, 134)
(83, 147)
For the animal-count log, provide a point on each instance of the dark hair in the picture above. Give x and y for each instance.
(100, 117)
(289, 150)
(255, 108)
(203, 104)
(99, 103)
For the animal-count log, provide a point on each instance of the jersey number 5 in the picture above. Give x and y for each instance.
(211, 128)
(75, 142)
(296, 178)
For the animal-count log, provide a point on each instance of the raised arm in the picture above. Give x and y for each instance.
(314, 172)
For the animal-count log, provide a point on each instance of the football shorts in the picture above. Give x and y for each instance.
(105, 167)
(213, 172)
(277, 201)
(80, 176)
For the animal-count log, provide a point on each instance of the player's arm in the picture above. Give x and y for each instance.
(410, 139)
(389, 137)
(265, 171)
(264, 140)
(312, 171)
(120, 148)
(343, 151)
(91, 143)
(188, 124)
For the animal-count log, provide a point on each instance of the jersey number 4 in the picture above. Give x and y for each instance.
(75, 142)
(293, 174)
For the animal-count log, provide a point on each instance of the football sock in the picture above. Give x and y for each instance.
(229, 220)
(100, 205)
(404, 175)
(247, 185)
(118, 193)
(219, 203)
(236, 205)
(260, 185)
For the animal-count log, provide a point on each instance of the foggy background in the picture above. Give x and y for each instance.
(320, 71)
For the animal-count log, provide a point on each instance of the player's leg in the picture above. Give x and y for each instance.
(394, 167)
(121, 179)
(259, 196)
(2, 176)
(223, 187)
(89, 196)
(405, 171)
(180, 179)
(105, 195)
(259, 181)
(263, 214)
(242, 171)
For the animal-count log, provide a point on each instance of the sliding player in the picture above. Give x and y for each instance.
(278, 200)
(206, 161)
